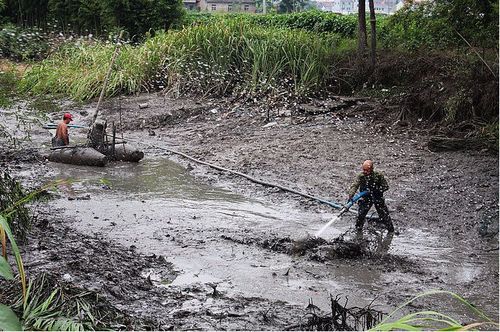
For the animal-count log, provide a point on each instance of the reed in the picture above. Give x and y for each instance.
(215, 59)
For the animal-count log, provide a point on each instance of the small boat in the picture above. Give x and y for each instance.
(78, 155)
(87, 156)
(98, 150)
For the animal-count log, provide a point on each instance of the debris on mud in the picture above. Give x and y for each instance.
(134, 290)
(321, 250)
(341, 318)
(315, 248)
(20, 155)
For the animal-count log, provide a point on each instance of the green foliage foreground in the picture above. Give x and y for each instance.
(43, 303)
(430, 320)
(218, 58)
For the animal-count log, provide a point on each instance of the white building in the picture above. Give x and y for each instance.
(351, 6)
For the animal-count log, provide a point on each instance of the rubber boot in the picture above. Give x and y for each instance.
(390, 226)
(359, 224)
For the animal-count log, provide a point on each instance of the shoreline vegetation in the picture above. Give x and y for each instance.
(423, 64)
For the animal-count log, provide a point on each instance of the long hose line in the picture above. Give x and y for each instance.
(246, 176)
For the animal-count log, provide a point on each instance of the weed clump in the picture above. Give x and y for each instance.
(8, 85)
(11, 192)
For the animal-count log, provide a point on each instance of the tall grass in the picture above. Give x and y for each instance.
(218, 58)
(8, 83)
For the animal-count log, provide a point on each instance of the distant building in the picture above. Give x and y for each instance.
(221, 5)
(190, 4)
(351, 6)
(385, 6)
(337, 6)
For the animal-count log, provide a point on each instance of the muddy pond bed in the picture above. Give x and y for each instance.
(171, 244)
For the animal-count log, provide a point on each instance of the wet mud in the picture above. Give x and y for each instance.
(177, 245)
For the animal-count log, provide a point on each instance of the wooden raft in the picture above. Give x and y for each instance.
(98, 151)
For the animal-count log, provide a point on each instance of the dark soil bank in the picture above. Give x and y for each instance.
(444, 206)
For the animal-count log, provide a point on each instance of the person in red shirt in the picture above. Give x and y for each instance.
(62, 137)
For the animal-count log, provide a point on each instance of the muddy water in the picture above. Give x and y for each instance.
(158, 207)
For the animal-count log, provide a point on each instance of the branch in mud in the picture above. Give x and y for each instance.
(340, 318)
(321, 107)
(440, 143)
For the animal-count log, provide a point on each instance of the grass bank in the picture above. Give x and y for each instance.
(236, 57)
(215, 59)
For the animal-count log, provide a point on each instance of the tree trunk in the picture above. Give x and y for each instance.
(361, 28)
(373, 32)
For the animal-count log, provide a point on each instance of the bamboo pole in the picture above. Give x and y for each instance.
(106, 79)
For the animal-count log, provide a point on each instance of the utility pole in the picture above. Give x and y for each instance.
(263, 6)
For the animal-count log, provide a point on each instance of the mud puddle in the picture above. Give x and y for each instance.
(214, 237)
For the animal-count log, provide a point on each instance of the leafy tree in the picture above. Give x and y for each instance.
(289, 6)
(475, 20)
(141, 16)
(27, 12)
(68, 16)
(2, 7)
(135, 16)
(441, 23)
(90, 16)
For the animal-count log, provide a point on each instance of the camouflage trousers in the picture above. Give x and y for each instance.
(364, 206)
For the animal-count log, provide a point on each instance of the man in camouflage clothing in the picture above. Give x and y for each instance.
(375, 183)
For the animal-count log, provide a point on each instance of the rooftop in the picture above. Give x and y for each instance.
(234, 2)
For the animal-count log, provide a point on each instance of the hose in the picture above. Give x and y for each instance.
(246, 176)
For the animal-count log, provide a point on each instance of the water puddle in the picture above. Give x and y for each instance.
(158, 207)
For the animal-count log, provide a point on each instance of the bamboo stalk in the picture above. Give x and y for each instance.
(477, 53)
(106, 79)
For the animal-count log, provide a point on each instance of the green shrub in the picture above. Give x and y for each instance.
(313, 20)
(442, 25)
(23, 44)
(98, 17)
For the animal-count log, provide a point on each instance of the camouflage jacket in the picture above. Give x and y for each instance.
(375, 183)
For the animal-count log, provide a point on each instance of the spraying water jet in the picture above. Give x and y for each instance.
(344, 209)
